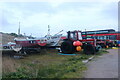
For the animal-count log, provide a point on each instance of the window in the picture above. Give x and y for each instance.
(79, 36)
(73, 36)
(100, 37)
(107, 37)
(83, 32)
(32, 41)
(112, 37)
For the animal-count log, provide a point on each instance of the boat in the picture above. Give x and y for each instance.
(36, 44)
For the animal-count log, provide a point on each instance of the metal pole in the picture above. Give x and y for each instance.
(95, 39)
(85, 34)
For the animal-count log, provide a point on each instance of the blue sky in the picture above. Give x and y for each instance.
(36, 16)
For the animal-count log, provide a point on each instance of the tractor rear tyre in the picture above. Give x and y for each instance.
(67, 47)
(89, 49)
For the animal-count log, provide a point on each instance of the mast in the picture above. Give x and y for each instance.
(19, 29)
(48, 30)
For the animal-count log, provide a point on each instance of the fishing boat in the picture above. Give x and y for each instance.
(36, 44)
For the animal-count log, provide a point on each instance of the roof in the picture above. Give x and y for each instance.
(101, 30)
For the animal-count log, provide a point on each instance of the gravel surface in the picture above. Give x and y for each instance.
(105, 66)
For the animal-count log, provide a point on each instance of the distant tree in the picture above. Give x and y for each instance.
(14, 34)
(20, 35)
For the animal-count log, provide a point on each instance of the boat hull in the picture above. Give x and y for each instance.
(31, 44)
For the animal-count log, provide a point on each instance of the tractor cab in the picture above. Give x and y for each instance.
(74, 35)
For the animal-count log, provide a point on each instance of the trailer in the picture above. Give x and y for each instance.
(105, 38)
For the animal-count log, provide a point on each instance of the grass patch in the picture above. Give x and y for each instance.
(61, 70)
(50, 65)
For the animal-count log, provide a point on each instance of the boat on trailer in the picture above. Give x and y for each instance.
(25, 45)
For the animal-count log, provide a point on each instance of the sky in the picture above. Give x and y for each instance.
(35, 16)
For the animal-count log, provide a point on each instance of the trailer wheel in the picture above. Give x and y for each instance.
(22, 53)
(67, 47)
(110, 45)
(89, 49)
(38, 50)
(97, 48)
(103, 45)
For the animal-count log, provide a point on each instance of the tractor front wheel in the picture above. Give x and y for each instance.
(67, 47)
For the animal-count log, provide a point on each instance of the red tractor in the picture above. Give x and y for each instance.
(74, 43)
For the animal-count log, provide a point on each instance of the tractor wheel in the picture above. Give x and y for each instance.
(67, 47)
(89, 49)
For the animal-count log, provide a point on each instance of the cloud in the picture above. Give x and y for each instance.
(35, 16)
(55, 3)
